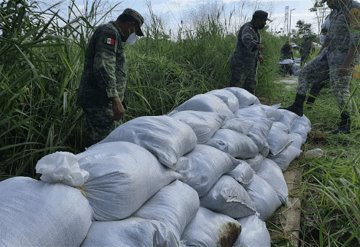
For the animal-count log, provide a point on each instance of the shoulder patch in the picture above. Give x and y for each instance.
(110, 41)
(354, 18)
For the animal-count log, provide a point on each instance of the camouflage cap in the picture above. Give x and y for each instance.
(262, 15)
(137, 17)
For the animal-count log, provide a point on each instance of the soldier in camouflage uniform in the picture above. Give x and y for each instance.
(248, 53)
(337, 62)
(103, 82)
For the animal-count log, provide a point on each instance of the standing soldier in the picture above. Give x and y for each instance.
(248, 52)
(103, 82)
(337, 63)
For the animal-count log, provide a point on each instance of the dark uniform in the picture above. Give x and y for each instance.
(245, 57)
(104, 77)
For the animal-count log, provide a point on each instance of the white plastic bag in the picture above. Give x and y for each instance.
(278, 139)
(244, 97)
(228, 97)
(174, 205)
(204, 124)
(243, 173)
(238, 124)
(234, 143)
(166, 137)
(203, 167)
(130, 232)
(228, 197)
(34, 213)
(284, 158)
(210, 229)
(61, 167)
(254, 233)
(122, 177)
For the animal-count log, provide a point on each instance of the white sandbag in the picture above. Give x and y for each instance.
(166, 137)
(264, 197)
(122, 177)
(244, 97)
(277, 138)
(288, 117)
(204, 166)
(259, 132)
(301, 126)
(210, 229)
(204, 124)
(272, 112)
(61, 167)
(284, 158)
(296, 139)
(174, 205)
(255, 163)
(272, 174)
(243, 173)
(228, 197)
(207, 103)
(238, 124)
(254, 111)
(130, 232)
(228, 97)
(36, 214)
(234, 143)
(254, 233)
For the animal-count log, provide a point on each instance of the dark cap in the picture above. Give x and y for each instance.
(137, 17)
(261, 15)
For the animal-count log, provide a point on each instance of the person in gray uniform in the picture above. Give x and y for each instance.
(103, 81)
(248, 52)
(336, 62)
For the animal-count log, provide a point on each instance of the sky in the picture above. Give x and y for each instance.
(172, 12)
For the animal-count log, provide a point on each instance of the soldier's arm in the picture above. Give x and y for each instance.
(105, 61)
(248, 37)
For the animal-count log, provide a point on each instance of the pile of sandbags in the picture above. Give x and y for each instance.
(207, 174)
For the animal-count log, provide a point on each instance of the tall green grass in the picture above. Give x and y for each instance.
(41, 59)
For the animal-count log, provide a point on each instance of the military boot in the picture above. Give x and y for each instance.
(298, 105)
(344, 125)
(310, 102)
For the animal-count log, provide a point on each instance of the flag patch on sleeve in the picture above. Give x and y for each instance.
(110, 41)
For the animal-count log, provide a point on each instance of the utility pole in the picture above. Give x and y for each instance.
(286, 22)
(291, 10)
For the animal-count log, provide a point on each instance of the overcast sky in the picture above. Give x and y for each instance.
(173, 11)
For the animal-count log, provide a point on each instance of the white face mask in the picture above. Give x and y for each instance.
(131, 39)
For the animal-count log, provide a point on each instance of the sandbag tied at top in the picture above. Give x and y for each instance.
(174, 205)
(255, 163)
(244, 97)
(34, 213)
(278, 138)
(202, 167)
(234, 143)
(254, 233)
(228, 197)
(243, 173)
(264, 197)
(166, 137)
(204, 124)
(228, 97)
(130, 232)
(271, 173)
(122, 176)
(207, 103)
(210, 229)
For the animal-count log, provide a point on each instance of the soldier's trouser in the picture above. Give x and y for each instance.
(99, 122)
(326, 68)
(243, 74)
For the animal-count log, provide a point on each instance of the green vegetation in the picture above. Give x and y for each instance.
(41, 58)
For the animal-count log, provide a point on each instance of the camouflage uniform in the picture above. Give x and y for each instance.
(344, 30)
(103, 78)
(245, 57)
(305, 49)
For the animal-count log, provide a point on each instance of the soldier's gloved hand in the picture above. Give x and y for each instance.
(118, 109)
